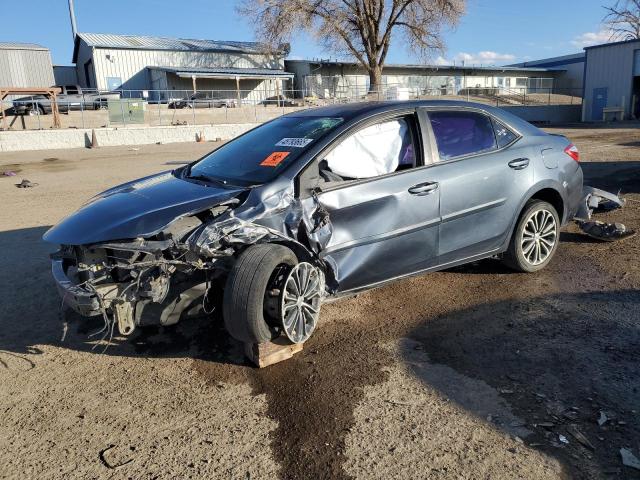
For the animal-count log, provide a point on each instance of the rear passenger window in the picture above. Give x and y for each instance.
(462, 133)
(504, 136)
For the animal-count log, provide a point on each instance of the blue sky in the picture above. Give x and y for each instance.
(492, 32)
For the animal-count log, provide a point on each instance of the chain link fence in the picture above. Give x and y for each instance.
(93, 109)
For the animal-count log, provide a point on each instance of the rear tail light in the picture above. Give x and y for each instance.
(573, 152)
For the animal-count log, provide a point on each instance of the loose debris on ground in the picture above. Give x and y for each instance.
(26, 184)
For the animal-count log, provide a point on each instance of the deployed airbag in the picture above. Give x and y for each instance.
(372, 151)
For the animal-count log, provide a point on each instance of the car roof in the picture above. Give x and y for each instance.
(357, 110)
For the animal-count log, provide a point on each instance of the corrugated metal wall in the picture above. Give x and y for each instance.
(609, 67)
(25, 68)
(131, 65)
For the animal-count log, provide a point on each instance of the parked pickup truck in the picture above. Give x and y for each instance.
(72, 97)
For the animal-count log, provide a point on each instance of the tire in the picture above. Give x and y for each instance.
(528, 256)
(244, 294)
(38, 110)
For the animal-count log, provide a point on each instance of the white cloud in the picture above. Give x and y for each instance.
(485, 57)
(591, 38)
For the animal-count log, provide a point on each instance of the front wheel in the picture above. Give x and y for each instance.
(535, 239)
(270, 292)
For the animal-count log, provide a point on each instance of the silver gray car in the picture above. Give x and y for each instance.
(317, 204)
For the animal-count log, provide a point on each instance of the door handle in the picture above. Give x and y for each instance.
(423, 188)
(519, 163)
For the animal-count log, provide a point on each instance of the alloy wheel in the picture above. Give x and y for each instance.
(300, 301)
(539, 236)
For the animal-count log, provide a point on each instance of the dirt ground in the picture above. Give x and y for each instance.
(474, 372)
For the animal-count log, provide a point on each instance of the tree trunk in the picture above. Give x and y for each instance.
(375, 80)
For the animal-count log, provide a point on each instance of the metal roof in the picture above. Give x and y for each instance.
(143, 42)
(611, 44)
(225, 72)
(21, 46)
(465, 68)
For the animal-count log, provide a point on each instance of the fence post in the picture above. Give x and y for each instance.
(37, 109)
(124, 122)
(82, 109)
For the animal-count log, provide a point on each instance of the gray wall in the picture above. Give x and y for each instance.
(610, 67)
(25, 68)
(65, 75)
(547, 113)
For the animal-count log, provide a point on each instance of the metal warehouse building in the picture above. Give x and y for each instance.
(145, 63)
(325, 79)
(612, 81)
(25, 65)
(571, 66)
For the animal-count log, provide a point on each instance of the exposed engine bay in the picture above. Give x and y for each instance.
(177, 273)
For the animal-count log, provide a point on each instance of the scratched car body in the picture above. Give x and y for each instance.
(314, 205)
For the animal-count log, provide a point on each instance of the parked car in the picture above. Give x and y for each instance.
(72, 97)
(203, 100)
(316, 204)
(279, 101)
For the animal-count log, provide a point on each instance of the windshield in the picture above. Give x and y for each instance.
(261, 154)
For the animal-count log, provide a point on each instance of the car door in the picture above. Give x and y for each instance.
(386, 225)
(483, 173)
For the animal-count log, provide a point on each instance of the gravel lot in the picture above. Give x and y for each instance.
(474, 372)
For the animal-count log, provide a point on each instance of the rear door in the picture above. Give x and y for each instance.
(483, 172)
(385, 223)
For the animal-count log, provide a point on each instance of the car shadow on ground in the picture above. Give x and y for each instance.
(557, 361)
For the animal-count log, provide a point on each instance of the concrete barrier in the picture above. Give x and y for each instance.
(547, 113)
(109, 137)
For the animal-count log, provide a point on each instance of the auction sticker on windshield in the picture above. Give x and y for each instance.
(274, 159)
(294, 142)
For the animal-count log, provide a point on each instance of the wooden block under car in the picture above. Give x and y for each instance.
(265, 354)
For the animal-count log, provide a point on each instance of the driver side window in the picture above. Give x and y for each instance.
(373, 151)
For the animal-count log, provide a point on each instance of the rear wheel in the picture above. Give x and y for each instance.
(535, 239)
(36, 110)
(269, 292)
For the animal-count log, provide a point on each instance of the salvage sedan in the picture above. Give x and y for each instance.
(314, 205)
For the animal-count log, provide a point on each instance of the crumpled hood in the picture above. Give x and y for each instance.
(136, 209)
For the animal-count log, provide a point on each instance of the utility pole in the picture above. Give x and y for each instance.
(72, 15)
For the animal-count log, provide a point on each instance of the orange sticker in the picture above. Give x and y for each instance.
(274, 159)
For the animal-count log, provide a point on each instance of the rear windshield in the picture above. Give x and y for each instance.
(261, 154)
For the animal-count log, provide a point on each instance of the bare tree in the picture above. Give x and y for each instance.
(623, 19)
(363, 29)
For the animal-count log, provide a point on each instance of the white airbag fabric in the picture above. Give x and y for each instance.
(372, 151)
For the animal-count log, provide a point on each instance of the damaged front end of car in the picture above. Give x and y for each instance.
(179, 271)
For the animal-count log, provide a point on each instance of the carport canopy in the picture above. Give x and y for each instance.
(226, 73)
